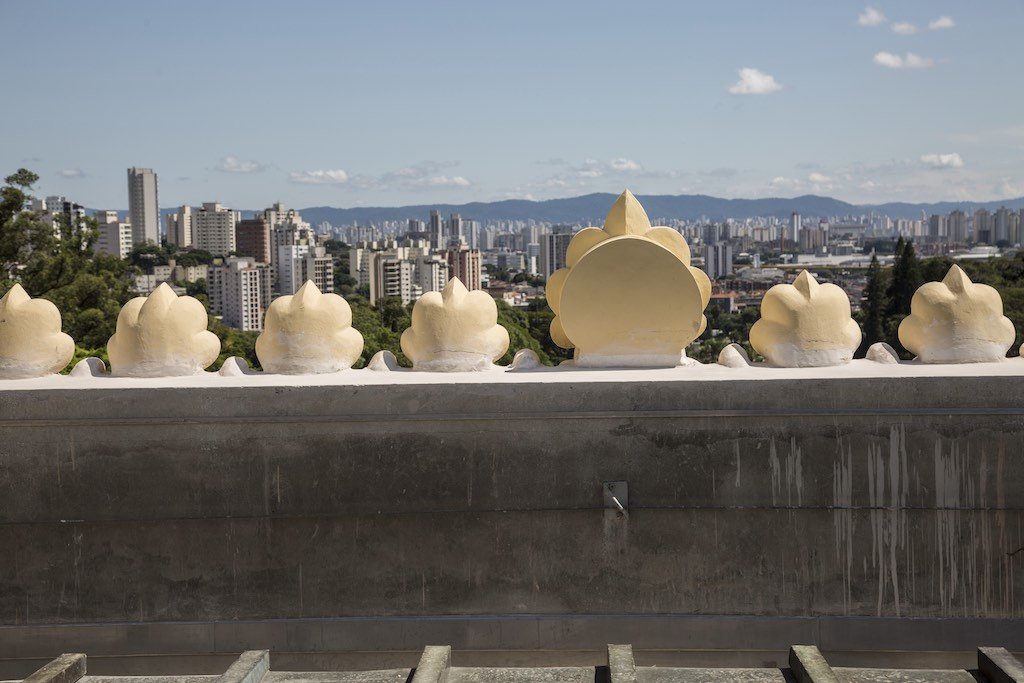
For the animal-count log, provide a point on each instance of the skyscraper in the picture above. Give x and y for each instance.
(464, 263)
(552, 252)
(214, 229)
(983, 226)
(436, 231)
(240, 292)
(179, 227)
(956, 226)
(115, 235)
(143, 206)
(252, 239)
(718, 259)
(455, 229)
(1001, 225)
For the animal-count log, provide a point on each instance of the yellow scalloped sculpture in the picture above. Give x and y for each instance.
(455, 330)
(162, 335)
(957, 321)
(805, 324)
(308, 333)
(31, 343)
(628, 296)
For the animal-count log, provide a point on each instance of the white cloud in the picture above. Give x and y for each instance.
(232, 164)
(819, 178)
(441, 181)
(904, 28)
(595, 168)
(951, 160)
(754, 82)
(941, 22)
(910, 61)
(426, 175)
(871, 17)
(328, 177)
(71, 173)
(621, 164)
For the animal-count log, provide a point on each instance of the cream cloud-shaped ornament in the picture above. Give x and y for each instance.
(805, 324)
(308, 333)
(957, 321)
(31, 343)
(628, 295)
(162, 335)
(455, 330)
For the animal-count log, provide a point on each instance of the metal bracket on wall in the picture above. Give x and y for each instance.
(616, 498)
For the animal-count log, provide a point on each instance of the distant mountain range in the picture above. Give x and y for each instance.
(590, 209)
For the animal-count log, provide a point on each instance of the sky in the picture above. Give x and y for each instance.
(394, 103)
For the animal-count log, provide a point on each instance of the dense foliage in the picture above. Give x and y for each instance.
(56, 261)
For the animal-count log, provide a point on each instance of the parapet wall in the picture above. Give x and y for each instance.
(865, 490)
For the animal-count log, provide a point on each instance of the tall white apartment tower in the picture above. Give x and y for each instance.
(213, 229)
(143, 206)
(795, 224)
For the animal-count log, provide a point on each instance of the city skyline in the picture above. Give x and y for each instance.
(407, 104)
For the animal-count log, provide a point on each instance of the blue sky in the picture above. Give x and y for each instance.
(389, 103)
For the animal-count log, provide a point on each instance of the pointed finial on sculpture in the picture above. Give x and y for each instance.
(308, 333)
(957, 321)
(805, 324)
(162, 335)
(31, 341)
(455, 330)
(627, 217)
(628, 295)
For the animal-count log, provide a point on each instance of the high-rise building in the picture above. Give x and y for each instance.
(391, 275)
(464, 263)
(214, 229)
(471, 232)
(143, 206)
(279, 215)
(303, 261)
(1001, 225)
(983, 226)
(180, 228)
(956, 227)
(552, 252)
(795, 225)
(239, 292)
(252, 239)
(431, 273)
(106, 216)
(115, 235)
(937, 227)
(435, 230)
(718, 260)
(455, 235)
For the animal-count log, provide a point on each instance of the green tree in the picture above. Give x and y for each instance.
(55, 260)
(874, 307)
(906, 278)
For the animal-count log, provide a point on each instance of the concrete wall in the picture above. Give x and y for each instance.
(895, 497)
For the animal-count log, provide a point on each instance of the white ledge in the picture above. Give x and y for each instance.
(565, 374)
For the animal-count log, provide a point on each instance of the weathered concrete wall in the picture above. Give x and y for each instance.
(853, 497)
